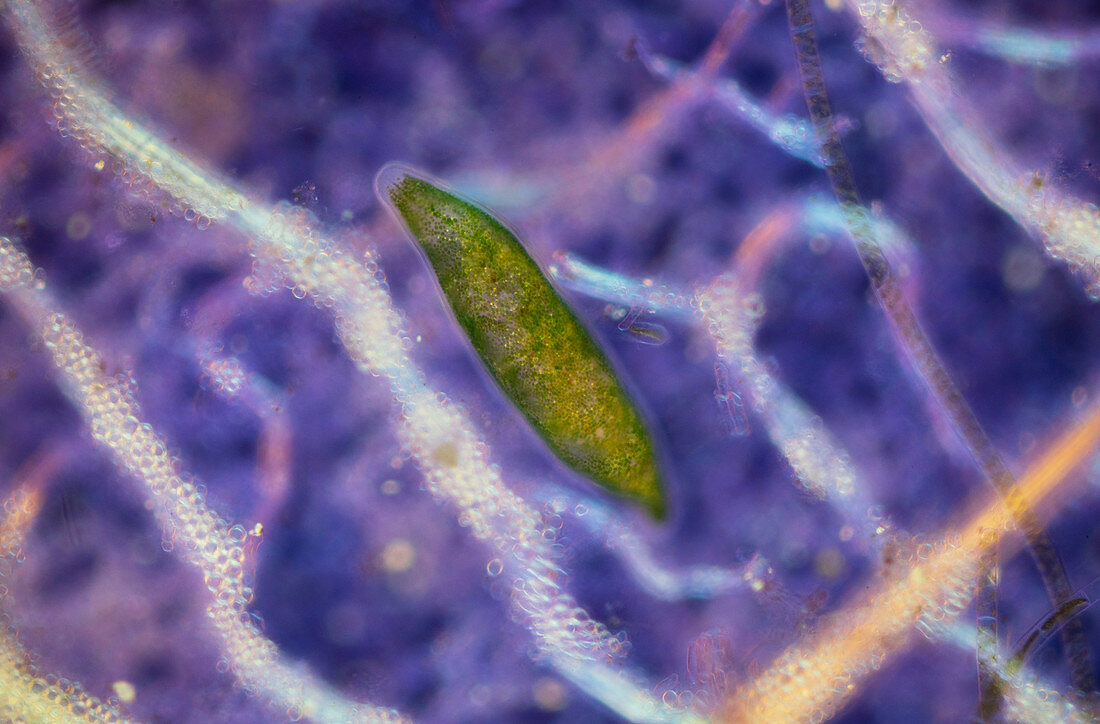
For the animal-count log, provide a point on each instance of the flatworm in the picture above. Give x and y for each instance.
(530, 341)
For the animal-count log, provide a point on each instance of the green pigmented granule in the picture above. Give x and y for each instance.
(533, 345)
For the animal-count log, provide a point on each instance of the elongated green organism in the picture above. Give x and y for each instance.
(531, 342)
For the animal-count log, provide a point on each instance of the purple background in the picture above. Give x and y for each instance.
(305, 101)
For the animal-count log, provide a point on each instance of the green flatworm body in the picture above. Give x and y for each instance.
(530, 341)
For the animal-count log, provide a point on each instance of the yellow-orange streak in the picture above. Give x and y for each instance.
(812, 680)
(630, 144)
(20, 510)
(633, 140)
(761, 244)
(736, 22)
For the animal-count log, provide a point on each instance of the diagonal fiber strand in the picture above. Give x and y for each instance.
(920, 350)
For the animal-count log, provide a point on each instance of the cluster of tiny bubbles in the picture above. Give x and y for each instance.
(68, 110)
(557, 504)
(201, 221)
(732, 318)
(1032, 702)
(139, 180)
(880, 522)
(20, 510)
(758, 573)
(1069, 227)
(266, 278)
(715, 304)
(227, 374)
(946, 589)
(562, 628)
(797, 135)
(47, 698)
(897, 43)
(366, 322)
(668, 690)
(153, 170)
(15, 268)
